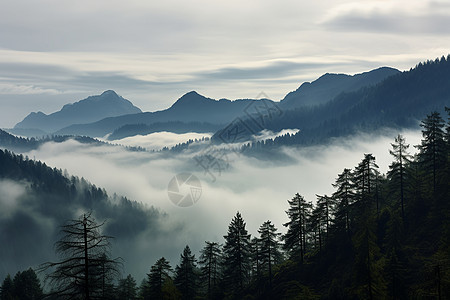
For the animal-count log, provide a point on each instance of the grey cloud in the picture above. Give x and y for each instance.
(270, 71)
(391, 23)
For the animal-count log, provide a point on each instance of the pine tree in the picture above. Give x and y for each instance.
(432, 149)
(159, 276)
(186, 275)
(295, 237)
(397, 170)
(324, 207)
(27, 285)
(7, 289)
(365, 177)
(210, 262)
(344, 197)
(369, 283)
(127, 288)
(255, 258)
(270, 248)
(237, 253)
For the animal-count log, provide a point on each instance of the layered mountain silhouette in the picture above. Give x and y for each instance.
(399, 101)
(332, 105)
(201, 113)
(328, 86)
(192, 107)
(91, 109)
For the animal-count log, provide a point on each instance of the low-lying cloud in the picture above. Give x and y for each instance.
(259, 189)
(159, 140)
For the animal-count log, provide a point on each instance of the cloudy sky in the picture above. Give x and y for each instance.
(151, 52)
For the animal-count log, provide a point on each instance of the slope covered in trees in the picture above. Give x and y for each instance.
(376, 237)
(37, 199)
(399, 101)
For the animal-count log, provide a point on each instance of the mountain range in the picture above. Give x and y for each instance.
(331, 106)
(91, 109)
(399, 101)
(328, 86)
(100, 115)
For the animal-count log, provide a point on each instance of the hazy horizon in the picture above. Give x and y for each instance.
(152, 53)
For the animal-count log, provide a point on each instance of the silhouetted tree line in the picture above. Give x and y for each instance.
(378, 236)
(21, 144)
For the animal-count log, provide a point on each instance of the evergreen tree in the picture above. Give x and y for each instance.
(447, 129)
(210, 262)
(344, 197)
(432, 148)
(158, 279)
(397, 170)
(295, 237)
(255, 258)
(127, 288)
(364, 178)
(395, 264)
(143, 289)
(27, 285)
(237, 253)
(7, 289)
(186, 275)
(270, 248)
(85, 261)
(324, 207)
(369, 283)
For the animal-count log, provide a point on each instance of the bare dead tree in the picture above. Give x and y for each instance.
(85, 265)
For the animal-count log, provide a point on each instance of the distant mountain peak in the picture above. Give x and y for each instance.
(109, 92)
(191, 99)
(329, 85)
(88, 110)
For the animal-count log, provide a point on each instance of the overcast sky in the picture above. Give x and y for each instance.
(53, 52)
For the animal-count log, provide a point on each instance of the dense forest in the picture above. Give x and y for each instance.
(24, 144)
(378, 236)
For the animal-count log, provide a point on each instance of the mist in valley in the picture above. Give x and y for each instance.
(257, 188)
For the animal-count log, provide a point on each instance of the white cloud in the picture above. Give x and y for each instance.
(14, 89)
(158, 140)
(258, 189)
(10, 194)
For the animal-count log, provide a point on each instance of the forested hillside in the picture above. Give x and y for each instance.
(400, 101)
(36, 200)
(378, 236)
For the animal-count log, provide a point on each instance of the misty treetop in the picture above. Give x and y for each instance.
(376, 236)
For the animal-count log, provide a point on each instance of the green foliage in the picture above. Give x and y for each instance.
(397, 170)
(186, 275)
(295, 237)
(237, 253)
(376, 237)
(159, 283)
(25, 285)
(127, 288)
(211, 269)
(269, 253)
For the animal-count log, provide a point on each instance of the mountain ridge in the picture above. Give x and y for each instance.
(191, 107)
(330, 85)
(90, 109)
